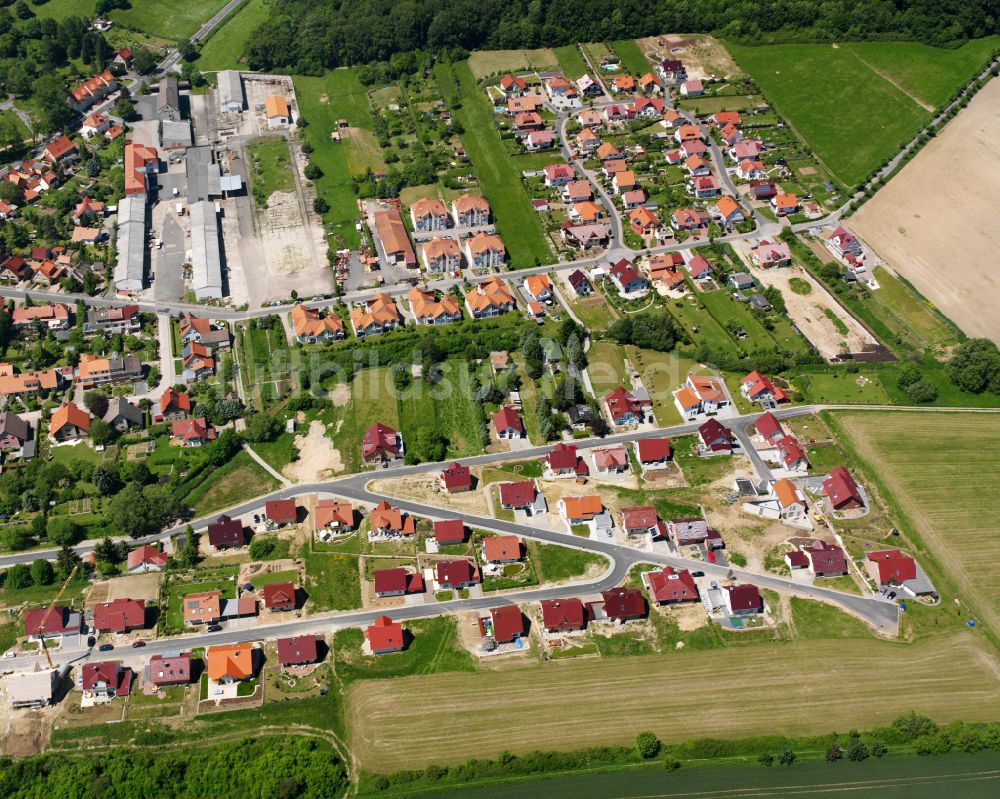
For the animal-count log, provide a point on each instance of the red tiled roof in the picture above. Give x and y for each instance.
(107, 672)
(146, 554)
(280, 596)
(384, 635)
(562, 614)
(790, 450)
(449, 531)
(641, 518)
(652, 450)
(672, 585)
(174, 398)
(744, 597)
(624, 603)
(768, 426)
(454, 572)
(517, 495)
(225, 531)
(456, 476)
(60, 620)
(390, 581)
(502, 547)
(298, 650)
(379, 438)
(826, 558)
(120, 615)
(170, 670)
(281, 511)
(562, 456)
(841, 489)
(508, 623)
(507, 418)
(893, 566)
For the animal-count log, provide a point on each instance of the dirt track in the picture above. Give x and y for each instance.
(935, 223)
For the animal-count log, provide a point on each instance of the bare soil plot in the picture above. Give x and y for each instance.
(927, 219)
(413, 721)
(421, 488)
(944, 471)
(702, 54)
(133, 586)
(318, 458)
(809, 312)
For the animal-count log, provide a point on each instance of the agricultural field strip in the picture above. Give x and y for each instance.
(417, 720)
(944, 470)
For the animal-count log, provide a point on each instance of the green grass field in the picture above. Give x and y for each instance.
(632, 58)
(492, 62)
(167, 20)
(606, 366)
(943, 471)
(332, 581)
(270, 164)
(239, 480)
(322, 101)
(959, 775)
(224, 50)
(571, 61)
(843, 388)
(903, 309)
(516, 221)
(891, 86)
(555, 563)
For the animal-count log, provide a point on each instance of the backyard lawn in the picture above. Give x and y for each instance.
(322, 101)
(631, 56)
(516, 222)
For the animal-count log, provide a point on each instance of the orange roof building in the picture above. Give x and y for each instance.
(204, 607)
(431, 311)
(310, 327)
(441, 255)
(377, 315)
(68, 421)
(580, 509)
(140, 161)
(334, 514)
(392, 233)
(230, 662)
(485, 250)
(384, 518)
(490, 298)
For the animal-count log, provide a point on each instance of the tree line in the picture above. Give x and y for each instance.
(311, 36)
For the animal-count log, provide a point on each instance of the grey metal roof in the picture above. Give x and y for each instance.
(206, 257)
(231, 90)
(131, 251)
(203, 179)
(231, 183)
(169, 94)
(175, 134)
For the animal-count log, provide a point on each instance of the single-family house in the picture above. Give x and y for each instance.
(624, 604)
(825, 560)
(792, 455)
(790, 499)
(69, 422)
(563, 615)
(299, 650)
(768, 254)
(331, 514)
(225, 533)
(455, 478)
(763, 189)
(563, 460)
(784, 204)
(581, 283)
(120, 616)
(557, 175)
(449, 531)
(455, 574)
(627, 278)
(51, 622)
(670, 586)
(381, 444)
(507, 423)
(759, 388)
(173, 405)
(643, 221)
(281, 511)
(166, 670)
(890, 567)
(502, 549)
(388, 520)
(279, 597)
(625, 407)
(842, 491)
(397, 582)
(716, 438)
(122, 415)
(611, 460)
(517, 496)
(768, 427)
(507, 623)
(743, 600)
(688, 219)
(844, 243)
(145, 558)
(104, 680)
(203, 607)
(384, 635)
(580, 510)
(643, 520)
(192, 432)
(653, 452)
(229, 663)
(692, 88)
(727, 211)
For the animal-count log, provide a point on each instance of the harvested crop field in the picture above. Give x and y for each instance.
(944, 470)
(491, 62)
(923, 219)
(412, 721)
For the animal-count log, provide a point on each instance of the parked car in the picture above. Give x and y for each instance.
(138, 644)
(105, 647)
(213, 628)
(10, 653)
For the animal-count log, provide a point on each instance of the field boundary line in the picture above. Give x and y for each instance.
(926, 106)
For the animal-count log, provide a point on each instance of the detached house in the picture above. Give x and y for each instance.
(563, 461)
(333, 515)
(69, 422)
(627, 278)
(502, 549)
(743, 600)
(558, 174)
(120, 616)
(791, 454)
(701, 395)
(825, 560)
(767, 254)
(455, 574)
(226, 533)
(384, 635)
(643, 221)
(387, 520)
(517, 496)
(449, 531)
(173, 405)
(842, 490)
(716, 438)
(563, 615)
(192, 432)
(670, 586)
(641, 521)
(105, 680)
(845, 244)
(581, 283)
(727, 211)
(758, 388)
(624, 604)
(625, 407)
(508, 424)
(381, 444)
(784, 204)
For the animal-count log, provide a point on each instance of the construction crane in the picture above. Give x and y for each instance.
(48, 612)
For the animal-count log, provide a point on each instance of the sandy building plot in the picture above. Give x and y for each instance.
(811, 312)
(702, 55)
(935, 222)
(133, 586)
(426, 488)
(318, 459)
(416, 720)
